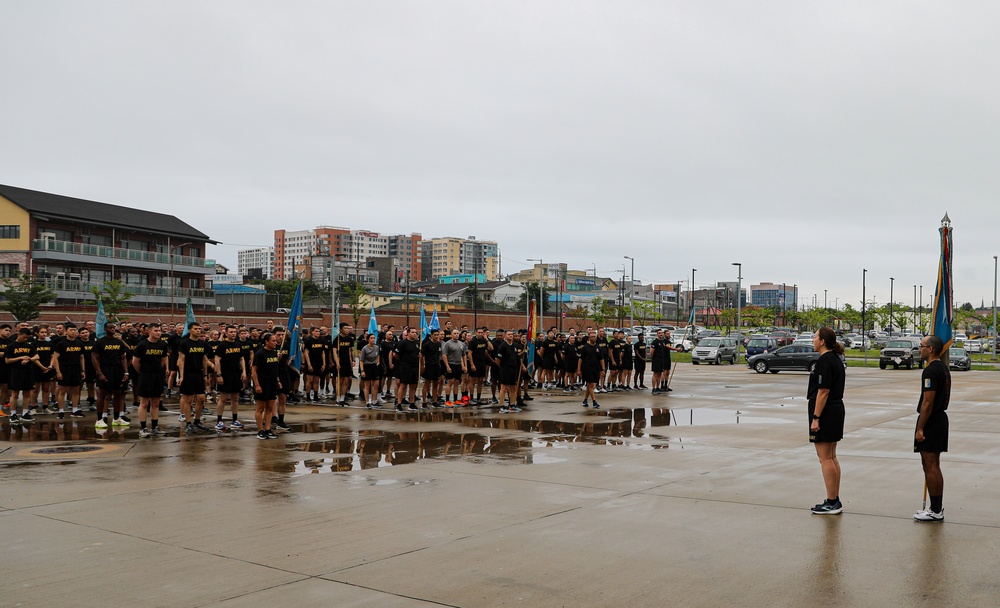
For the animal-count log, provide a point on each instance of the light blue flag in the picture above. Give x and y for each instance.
(372, 323)
(294, 327)
(101, 319)
(190, 318)
(435, 324)
(944, 313)
(424, 329)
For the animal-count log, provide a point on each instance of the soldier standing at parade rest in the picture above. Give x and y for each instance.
(931, 435)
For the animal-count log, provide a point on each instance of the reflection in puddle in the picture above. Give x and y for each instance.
(361, 440)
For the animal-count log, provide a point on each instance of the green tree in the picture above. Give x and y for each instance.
(114, 296)
(601, 309)
(287, 289)
(533, 292)
(646, 310)
(23, 297)
(354, 293)
(851, 316)
(473, 298)
(965, 318)
(727, 318)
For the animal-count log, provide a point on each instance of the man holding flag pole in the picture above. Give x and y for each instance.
(931, 435)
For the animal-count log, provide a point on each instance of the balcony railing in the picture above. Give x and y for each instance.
(117, 253)
(79, 286)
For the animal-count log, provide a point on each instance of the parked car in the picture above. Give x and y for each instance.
(973, 347)
(784, 338)
(760, 344)
(901, 351)
(804, 340)
(861, 343)
(794, 357)
(714, 349)
(960, 337)
(958, 358)
(678, 340)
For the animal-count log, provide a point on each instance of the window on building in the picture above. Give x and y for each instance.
(10, 232)
(9, 271)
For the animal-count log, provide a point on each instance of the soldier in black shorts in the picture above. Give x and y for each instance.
(590, 368)
(45, 375)
(931, 435)
(286, 373)
(497, 340)
(5, 341)
(511, 368)
(67, 360)
(826, 414)
(21, 358)
(150, 359)
(343, 346)
(110, 360)
(479, 348)
(232, 369)
(430, 369)
(405, 359)
(314, 363)
(192, 368)
(639, 362)
(264, 372)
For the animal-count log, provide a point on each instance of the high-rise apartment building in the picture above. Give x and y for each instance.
(449, 255)
(253, 262)
(291, 249)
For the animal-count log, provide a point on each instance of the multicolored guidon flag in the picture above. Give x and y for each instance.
(943, 296)
(532, 331)
(294, 327)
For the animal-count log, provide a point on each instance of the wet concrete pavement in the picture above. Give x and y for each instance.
(702, 504)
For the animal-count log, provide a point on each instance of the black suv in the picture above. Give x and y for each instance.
(901, 351)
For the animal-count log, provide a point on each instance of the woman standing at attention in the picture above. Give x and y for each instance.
(826, 415)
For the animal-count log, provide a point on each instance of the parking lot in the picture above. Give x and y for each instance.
(697, 498)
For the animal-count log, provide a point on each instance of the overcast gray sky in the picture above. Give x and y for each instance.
(806, 140)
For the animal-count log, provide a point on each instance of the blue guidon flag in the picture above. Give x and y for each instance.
(424, 329)
(372, 323)
(189, 318)
(100, 320)
(943, 296)
(293, 328)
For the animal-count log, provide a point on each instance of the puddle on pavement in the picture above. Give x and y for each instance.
(347, 446)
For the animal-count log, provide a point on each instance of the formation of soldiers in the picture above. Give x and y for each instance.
(46, 371)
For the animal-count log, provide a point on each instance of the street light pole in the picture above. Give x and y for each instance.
(994, 308)
(631, 294)
(914, 315)
(739, 306)
(864, 306)
(892, 281)
(693, 316)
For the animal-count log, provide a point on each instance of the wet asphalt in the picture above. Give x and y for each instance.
(700, 497)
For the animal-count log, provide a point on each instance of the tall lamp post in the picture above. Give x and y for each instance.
(739, 306)
(693, 270)
(631, 293)
(892, 282)
(864, 306)
(994, 308)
